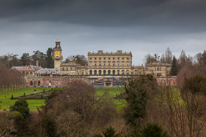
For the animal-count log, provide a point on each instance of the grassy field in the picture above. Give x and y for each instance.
(113, 91)
(6, 101)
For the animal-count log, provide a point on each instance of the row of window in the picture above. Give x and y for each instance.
(104, 72)
(67, 69)
(158, 69)
(108, 58)
(158, 74)
(109, 64)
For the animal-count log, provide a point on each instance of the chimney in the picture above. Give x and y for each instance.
(37, 64)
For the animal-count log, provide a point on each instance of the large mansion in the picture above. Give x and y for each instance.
(108, 63)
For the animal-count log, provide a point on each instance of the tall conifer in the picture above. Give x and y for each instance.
(174, 68)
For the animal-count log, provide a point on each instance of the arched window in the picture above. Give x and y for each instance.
(127, 72)
(90, 72)
(100, 72)
(113, 72)
(95, 72)
(109, 72)
(104, 72)
(118, 72)
(135, 72)
(123, 72)
(31, 83)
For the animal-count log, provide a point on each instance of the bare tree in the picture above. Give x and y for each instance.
(168, 56)
(79, 111)
(185, 118)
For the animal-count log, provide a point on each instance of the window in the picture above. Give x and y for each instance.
(63, 68)
(95, 64)
(104, 72)
(122, 71)
(104, 58)
(108, 63)
(113, 58)
(117, 63)
(90, 72)
(127, 72)
(135, 72)
(122, 58)
(70, 68)
(67, 68)
(113, 72)
(118, 58)
(99, 63)
(104, 63)
(95, 72)
(109, 72)
(157, 69)
(100, 72)
(122, 63)
(109, 58)
(118, 72)
(127, 58)
(90, 58)
(99, 58)
(127, 63)
(95, 58)
(90, 63)
(113, 63)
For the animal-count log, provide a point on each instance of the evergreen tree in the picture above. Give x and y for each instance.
(21, 106)
(25, 59)
(174, 68)
(138, 91)
(49, 59)
(152, 130)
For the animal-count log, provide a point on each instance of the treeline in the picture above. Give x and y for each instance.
(45, 59)
(10, 79)
(197, 63)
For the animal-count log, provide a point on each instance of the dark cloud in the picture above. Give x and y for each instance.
(183, 13)
(140, 26)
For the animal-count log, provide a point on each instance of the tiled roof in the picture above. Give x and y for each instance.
(25, 69)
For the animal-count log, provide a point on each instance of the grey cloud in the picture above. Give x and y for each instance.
(110, 13)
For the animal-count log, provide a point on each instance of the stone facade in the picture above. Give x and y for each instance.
(108, 63)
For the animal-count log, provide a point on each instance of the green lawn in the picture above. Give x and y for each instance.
(113, 91)
(5, 97)
(6, 101)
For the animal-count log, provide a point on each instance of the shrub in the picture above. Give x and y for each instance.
(21, 106)
(110, 132)
(195, 84)
(12, 96)
(152, 130)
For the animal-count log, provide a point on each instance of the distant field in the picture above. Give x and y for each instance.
(113, 91)
(5, 97)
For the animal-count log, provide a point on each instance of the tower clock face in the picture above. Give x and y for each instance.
(57, 54)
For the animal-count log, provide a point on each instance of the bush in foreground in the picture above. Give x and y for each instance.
(21, 106)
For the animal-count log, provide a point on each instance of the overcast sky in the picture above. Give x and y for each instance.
(139, 26)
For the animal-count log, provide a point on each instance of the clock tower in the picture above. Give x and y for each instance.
(57, 55)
